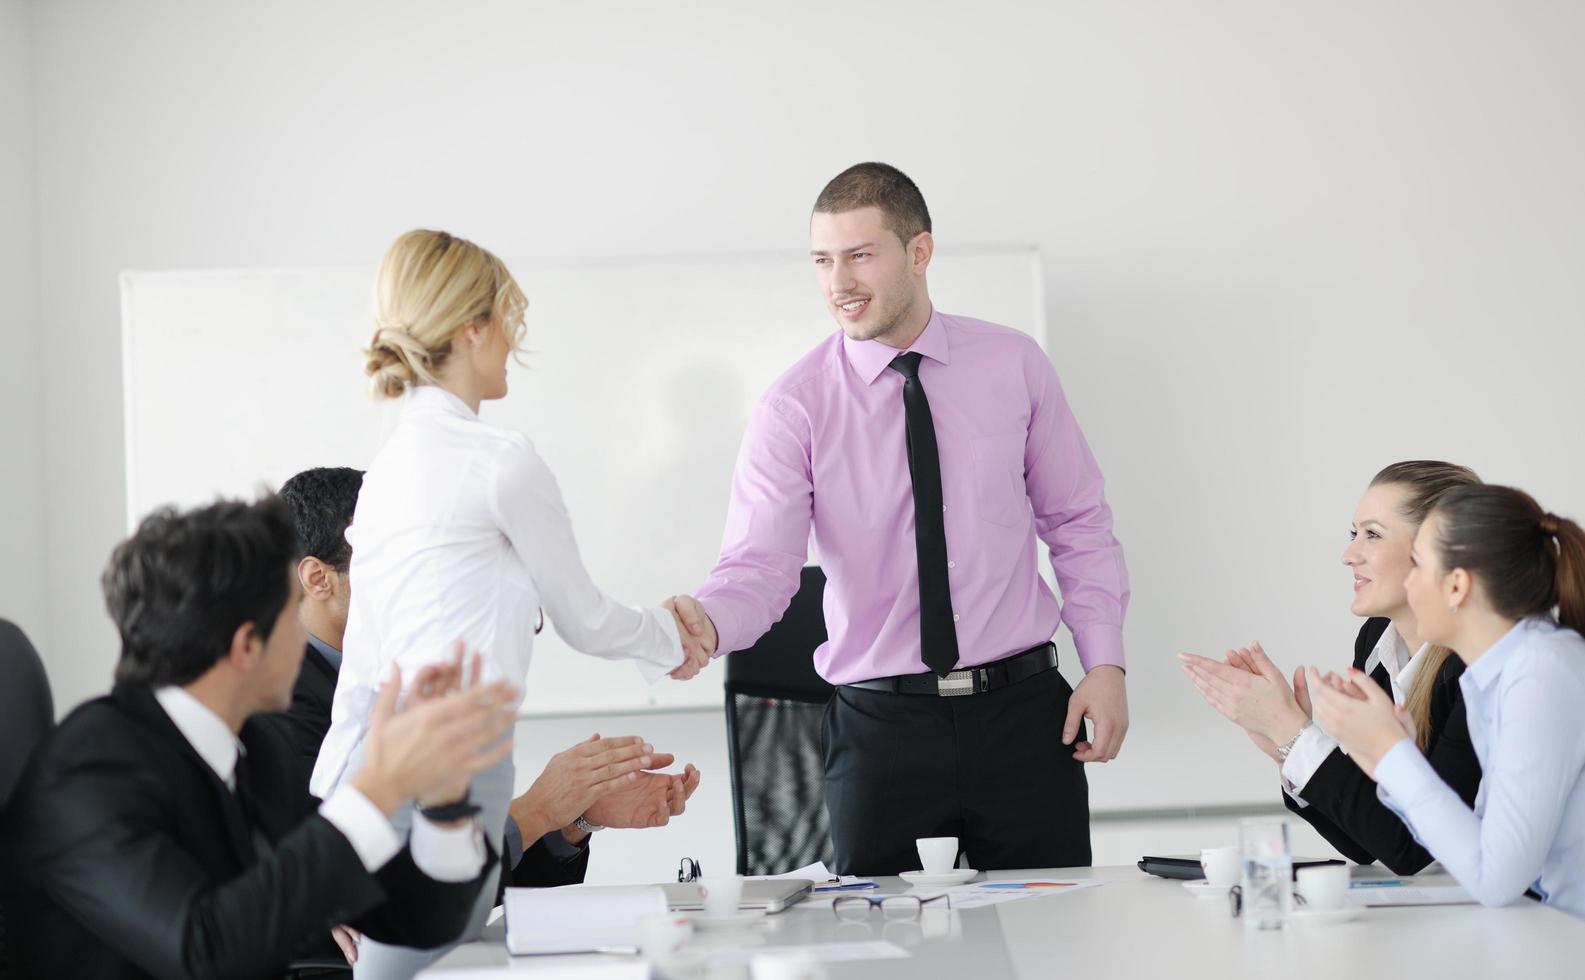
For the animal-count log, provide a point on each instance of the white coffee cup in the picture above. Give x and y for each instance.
(1323, 887)
(1222, 866)
(937, 855)
(721, 895)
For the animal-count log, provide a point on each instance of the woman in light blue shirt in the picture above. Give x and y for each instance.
(1490, 566)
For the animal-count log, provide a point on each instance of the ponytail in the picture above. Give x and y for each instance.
(1528, 561)
(1570, 570)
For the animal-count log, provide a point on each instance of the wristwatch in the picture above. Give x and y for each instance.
(447, 812)
(585, 825)
(1283, 750)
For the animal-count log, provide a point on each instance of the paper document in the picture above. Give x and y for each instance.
(557, 967)
(577, 920)
(876, 949)
(1376, 895)
(824, 880)
(983, 893)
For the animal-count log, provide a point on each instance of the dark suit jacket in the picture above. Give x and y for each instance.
(128, 857)
(1343, 805)
(306, 723)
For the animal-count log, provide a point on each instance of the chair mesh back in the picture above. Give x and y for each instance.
(780, 784)
(775, 701)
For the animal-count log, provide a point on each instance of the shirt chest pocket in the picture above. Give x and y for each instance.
(999, 493)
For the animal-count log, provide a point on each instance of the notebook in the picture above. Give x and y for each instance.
(769, 894)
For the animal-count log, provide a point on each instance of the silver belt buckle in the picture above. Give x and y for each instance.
(956, 684)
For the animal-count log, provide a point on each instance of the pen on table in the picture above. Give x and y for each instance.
(856, 886)
(1385, 883)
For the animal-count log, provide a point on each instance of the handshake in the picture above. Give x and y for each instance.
(697, 633)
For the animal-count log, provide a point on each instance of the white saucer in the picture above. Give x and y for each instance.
(1325, 917)
(743, 918)
(1200, 888)
(956, 876)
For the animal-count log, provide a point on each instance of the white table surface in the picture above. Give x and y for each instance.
(1137, 925)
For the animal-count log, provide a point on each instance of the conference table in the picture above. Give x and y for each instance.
(1132, 925)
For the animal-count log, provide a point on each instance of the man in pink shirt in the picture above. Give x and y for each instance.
(926, 451)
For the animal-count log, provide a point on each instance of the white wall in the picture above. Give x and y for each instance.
(24, 559)
(1229, 166)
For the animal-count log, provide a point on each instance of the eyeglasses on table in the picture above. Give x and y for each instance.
(856, 908)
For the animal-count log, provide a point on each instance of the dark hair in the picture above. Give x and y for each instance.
(1426, 481)
(878, 185)
(1528, 560)
(179, 588)
(322, 501)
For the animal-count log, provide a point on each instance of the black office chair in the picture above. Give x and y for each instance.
(774, 704)
(27, 713)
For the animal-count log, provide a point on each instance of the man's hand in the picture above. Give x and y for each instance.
(574, 779)
(697, 633)
(433, 747)
(1100, 697)
(650, 801)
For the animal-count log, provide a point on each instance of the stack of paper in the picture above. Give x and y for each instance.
(575, 920)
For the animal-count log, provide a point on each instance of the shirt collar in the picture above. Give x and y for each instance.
(1390, 652)
(433, 398)
(871, 357)
(330, 653)
(203, 729)
(1483, 673)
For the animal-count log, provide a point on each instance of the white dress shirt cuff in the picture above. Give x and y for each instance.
(1304, 759)
(1405, 779)
(651, 670)
(447, 853)
(364, 826)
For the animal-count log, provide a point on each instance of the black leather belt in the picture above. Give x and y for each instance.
(970, 680)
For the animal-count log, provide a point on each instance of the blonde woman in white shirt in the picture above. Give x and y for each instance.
(460, 532)
(1490, 567)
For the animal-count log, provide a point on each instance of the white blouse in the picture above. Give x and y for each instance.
(1527, 828)
(460, 533)
(1314, 744)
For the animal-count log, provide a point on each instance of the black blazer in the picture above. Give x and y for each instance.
(128, 857)
(307, 721)
(305, 726)
(1342, 800)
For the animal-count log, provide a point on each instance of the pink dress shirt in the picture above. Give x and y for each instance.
(826, 449)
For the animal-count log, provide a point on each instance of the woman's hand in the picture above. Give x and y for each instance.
(1355, 711)
(1251, 692)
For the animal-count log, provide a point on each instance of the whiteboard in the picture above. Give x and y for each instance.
(637, 385)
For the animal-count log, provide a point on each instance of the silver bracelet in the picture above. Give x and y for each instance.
(586, 826)
(1283, 750)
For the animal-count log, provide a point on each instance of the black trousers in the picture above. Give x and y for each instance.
(989, 769)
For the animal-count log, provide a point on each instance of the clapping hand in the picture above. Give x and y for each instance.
(1251, 692)
(430, 749)
(697, 633)
(1355, 711)
(649, 801)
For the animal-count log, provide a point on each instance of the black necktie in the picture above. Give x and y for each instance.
(938, 637)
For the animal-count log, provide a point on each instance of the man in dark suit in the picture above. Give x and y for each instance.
(160, 831)
(581, 790)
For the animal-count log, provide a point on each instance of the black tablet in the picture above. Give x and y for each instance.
(1188, 868)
